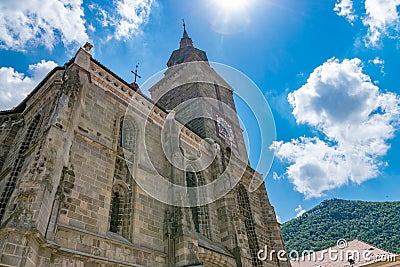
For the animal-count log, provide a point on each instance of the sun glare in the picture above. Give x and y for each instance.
(230, 16)
(231, 5)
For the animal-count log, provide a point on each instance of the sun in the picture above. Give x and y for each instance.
(230, 16)
(231, 5)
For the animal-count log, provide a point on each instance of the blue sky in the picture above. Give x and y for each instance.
(329, 70)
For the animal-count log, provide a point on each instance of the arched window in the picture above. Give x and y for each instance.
(245, 210)
(18, 164)
(120, 211)
(115, 216)
(126, 140)
(121, 202)
(191, 182)
(127, 134)
(200, 213)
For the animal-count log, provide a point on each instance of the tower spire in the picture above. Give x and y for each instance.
(186, 40)
(186, 52)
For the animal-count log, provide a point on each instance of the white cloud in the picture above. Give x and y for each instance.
(381, 18)
(344, 8)
(15, 86)
(41, 23)
(101, 15)
(125, 18)
(379, 62)
(28, 23)
(91, 28)
(356, 120)
(299, 211)
(278, 219)
(276, 176)
(133, 13)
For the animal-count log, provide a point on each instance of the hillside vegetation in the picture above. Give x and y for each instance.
(377, 223)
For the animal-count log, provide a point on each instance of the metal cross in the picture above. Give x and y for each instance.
(136, 72)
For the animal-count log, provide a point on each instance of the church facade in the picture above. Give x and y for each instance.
(90, 176)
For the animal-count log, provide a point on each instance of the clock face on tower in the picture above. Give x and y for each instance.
(224, 130)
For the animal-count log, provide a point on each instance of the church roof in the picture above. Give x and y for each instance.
(21, 106)
(186, 52)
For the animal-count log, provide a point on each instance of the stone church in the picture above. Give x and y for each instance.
(92, 172)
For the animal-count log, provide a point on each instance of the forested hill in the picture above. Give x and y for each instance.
(377, 223)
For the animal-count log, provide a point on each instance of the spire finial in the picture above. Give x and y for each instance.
(185, 34)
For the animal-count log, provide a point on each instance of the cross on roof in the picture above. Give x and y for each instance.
(136, 72)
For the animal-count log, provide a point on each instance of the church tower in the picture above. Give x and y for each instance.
(191, 81)
(203, 101)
